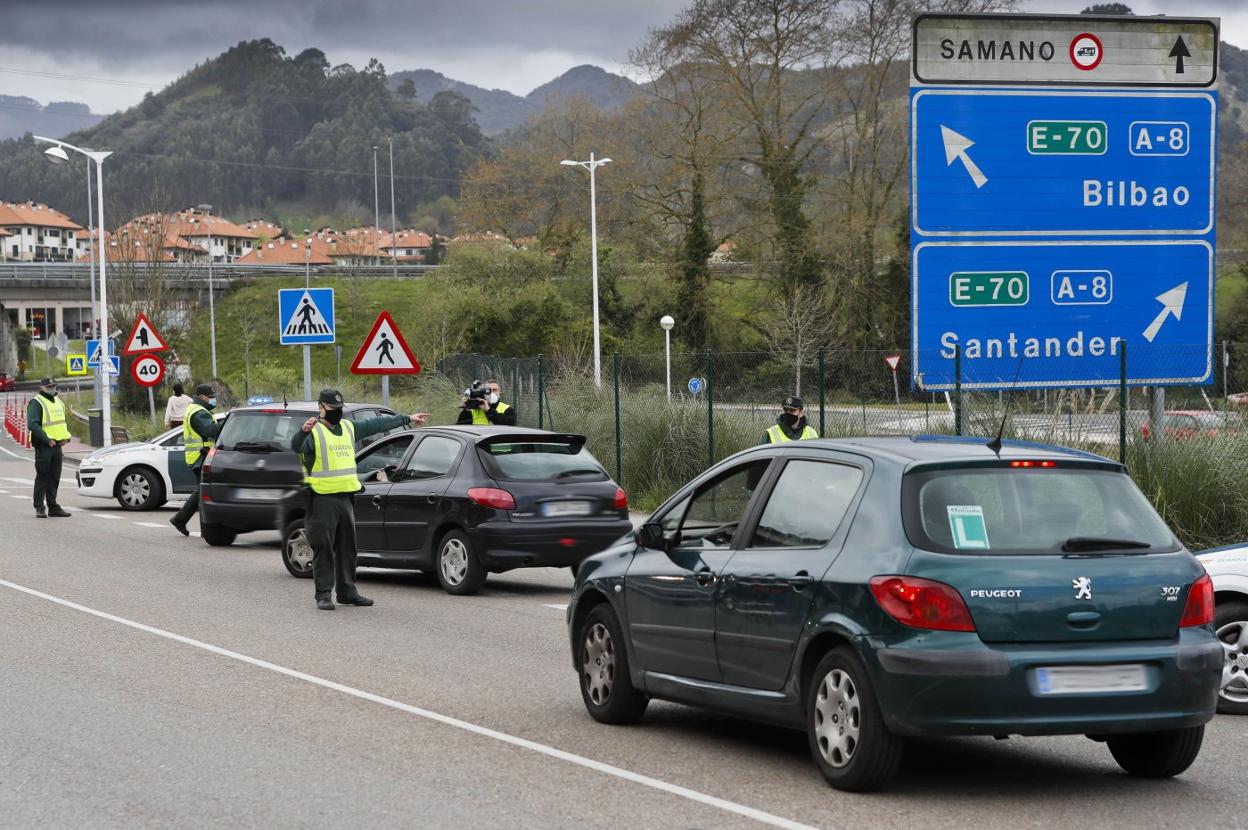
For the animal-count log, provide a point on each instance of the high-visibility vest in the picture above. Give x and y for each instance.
(193, 444)
(333, 460)
(777, 436)
(52, 418)
(478, 415)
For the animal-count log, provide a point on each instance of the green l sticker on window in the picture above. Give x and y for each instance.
(967, 523)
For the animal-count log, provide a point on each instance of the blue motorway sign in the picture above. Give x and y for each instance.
(1062, 163)
(1056, 313)
(305, 315)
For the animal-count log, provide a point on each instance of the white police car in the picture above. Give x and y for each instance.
(1228, 567)
(140, 475)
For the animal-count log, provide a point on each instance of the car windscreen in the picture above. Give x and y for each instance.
(269, 429)
(1061, 510)
(540, 461)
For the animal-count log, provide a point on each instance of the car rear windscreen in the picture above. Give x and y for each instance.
(1009, 510)
(540, 461)
(275, 429)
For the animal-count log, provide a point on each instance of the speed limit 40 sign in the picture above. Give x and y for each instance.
(147, 370)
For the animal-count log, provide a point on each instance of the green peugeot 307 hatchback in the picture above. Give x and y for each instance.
(866, 590)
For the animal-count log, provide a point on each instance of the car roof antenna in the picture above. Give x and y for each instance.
(995, 443)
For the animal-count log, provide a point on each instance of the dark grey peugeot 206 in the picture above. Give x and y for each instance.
(866, 590)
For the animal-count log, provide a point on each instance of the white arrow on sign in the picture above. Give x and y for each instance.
(1173, 301)
(956, 146)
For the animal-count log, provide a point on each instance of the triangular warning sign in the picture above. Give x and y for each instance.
(385, 352)
(307, 318)
(144, 337)
(893, 360)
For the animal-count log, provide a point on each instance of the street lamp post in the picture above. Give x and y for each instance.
(394, 230)
(667, 324)
(592, 165)
(376, 214)
(212, 309)
(95, 382)
(56, 155)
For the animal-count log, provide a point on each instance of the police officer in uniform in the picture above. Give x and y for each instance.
(45, 418)
(790, 423)
(489, 410)
(326, 444)
(199, 433)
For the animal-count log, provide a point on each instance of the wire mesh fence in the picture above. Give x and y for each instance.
(656, 421)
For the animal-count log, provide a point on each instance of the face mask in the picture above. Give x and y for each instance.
(333, 416)
(212, 402)
(51, 393)
(789, 420)
(493, 398)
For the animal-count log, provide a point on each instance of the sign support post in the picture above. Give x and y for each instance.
(307, 373)
(151, 404)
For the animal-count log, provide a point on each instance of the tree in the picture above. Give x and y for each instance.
(797, 328)
(406, 89)
(1108, 9)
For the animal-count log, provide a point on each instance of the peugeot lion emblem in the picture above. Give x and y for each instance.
(1083, 587)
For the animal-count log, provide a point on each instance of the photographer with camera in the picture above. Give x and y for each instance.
(482, 407)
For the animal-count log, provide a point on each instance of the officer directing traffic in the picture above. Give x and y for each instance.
(790, 423)
(199, 432)
(326, 444)
(45, 418)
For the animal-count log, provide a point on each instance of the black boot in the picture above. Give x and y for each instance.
(355, 600)
(324, 604)
(179, 526)
(57, 512)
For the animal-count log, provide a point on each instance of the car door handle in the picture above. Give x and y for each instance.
(377, 500)
(705, 578)
(432, 498)
(801, 580)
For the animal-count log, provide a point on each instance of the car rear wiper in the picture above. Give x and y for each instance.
(1082, 543)
(256, 446)
(582, 472)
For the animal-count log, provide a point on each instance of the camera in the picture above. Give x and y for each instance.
(475, 396)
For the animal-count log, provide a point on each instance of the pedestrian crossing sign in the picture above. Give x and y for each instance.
(385, 352)
(95, 350)
(75, 364)
(305, 316)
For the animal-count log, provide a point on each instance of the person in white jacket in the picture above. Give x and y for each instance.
(175, 410)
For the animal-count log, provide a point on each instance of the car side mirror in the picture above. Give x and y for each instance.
(650, 535)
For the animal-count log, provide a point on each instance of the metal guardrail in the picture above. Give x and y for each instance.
(69, 272)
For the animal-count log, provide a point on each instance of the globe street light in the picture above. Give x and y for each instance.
(592, 165)
(56, 155)
(667, 324)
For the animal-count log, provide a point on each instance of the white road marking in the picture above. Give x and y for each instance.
(556, 606)
(7, 451)
(27, 481)
(446, 720)
(103, 516)
(150, 524)
(195, 533)
(17, 497)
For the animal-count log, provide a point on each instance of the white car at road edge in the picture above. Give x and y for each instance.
(139, 475)
(1228, 566)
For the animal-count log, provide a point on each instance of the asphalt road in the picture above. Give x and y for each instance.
(147, 680)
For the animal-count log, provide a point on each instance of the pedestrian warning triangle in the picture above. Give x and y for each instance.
(385, 352)
(144, 337)
(307, 318)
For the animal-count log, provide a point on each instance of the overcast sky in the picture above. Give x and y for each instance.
(108, 53)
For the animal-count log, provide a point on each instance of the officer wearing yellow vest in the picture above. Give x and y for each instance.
(49, 431)
(199, 432)
(790, 423)
(326, 444)
(488, 409)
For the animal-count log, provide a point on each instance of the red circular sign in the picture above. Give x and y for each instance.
(1086, 51)
(147, 370)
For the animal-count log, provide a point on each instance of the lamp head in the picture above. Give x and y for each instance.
(603, 161)
(667, 323)
(570, 163)
(56, 154)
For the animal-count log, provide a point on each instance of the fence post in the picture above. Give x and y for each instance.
(957, 390)
(710, 407)
(619, 452)
(1122, 404)
(541, 395)
(823, 427)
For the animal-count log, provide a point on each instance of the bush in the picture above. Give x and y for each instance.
(1199, 487)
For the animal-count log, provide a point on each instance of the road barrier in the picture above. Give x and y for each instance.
(15, 420)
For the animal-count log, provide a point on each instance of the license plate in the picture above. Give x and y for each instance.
(552, 509)
(258, 494)
(1077, 680)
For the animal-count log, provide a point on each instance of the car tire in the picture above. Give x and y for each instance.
(1230, 621)
(1157, 754)
(459, 571)
(606, 685)
(139, 488)
(849, 741)
(297, 550)
(218, 536)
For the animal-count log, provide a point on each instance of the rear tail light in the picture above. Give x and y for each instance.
(621, 499)
(492, 497)
(207, 465)
(1199, 607)
(922, 603)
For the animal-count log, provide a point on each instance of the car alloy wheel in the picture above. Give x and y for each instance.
(598, 663)
(135, 490)
(838, 718)
(300, 548)
(454, 561)
(1234, 639)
